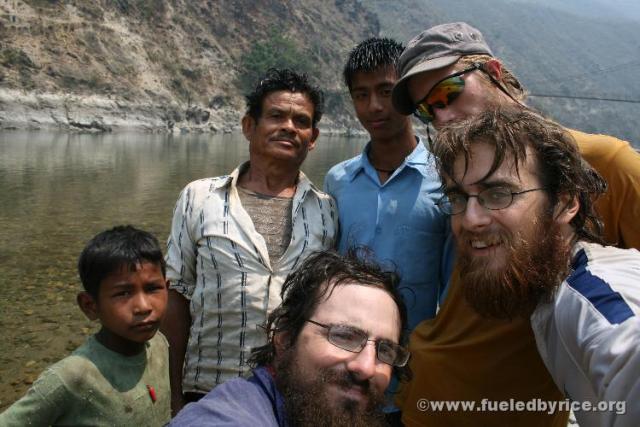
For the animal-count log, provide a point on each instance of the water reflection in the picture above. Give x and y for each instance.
(58, 190)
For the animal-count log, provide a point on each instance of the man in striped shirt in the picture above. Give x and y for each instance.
(235, 238)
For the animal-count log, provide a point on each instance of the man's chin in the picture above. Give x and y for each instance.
(522, 274)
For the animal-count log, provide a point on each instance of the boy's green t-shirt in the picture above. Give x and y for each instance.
(95, 386)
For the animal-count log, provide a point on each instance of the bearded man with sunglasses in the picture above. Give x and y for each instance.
(327, 361)
(447, 74)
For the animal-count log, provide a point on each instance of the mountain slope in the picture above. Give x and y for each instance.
(550, 48)
(182, 52)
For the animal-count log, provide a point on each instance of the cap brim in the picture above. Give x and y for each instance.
(400, 96)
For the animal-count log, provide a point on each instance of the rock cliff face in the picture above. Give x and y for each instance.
(158, 65)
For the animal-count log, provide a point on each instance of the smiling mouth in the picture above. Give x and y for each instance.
(484, 244)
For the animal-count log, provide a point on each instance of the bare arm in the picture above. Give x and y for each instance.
(175, 326)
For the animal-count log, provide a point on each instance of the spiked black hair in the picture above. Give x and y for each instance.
(370, 55)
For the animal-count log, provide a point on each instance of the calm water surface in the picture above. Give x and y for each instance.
(58, 190)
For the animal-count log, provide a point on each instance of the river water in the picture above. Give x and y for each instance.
(58, 190)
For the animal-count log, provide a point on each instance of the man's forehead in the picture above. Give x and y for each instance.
(287, 96)
(284, 100)
(348, 302)
(384, 74)
(476, 166)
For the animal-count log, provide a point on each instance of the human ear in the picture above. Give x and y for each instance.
(314, 137)
(88, 305)
(494, 68)
(281, 341)
(566, 208)
(248, 125)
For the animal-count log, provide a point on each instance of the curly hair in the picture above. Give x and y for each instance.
(511, 129)
(316, 278)
(288, 80)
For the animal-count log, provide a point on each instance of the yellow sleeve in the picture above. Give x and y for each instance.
(619, 164)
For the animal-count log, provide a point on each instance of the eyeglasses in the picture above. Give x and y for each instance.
(442, 94)
(493, 198)
(354, 340)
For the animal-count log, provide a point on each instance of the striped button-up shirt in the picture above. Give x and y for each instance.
(217, 260)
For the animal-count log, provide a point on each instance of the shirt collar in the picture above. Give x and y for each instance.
(266, 379)
(419, 159)
(304, 183)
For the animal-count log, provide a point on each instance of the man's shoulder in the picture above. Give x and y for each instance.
(602, 287)
(341, 170)
(207, 184)
(596, 147)
(238, 402)
(201, 191)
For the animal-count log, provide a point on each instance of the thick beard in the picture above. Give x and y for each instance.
(307, 403)
(532, 272)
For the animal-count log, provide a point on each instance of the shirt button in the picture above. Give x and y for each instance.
(378, 229)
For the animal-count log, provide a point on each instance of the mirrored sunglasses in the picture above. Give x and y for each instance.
(442, 94)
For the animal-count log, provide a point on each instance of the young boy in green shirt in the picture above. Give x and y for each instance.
(120, 375)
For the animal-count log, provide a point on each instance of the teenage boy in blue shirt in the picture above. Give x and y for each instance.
(120, 375)
(386, 196)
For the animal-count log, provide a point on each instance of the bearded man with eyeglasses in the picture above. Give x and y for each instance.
(448, 73)
(327, 360)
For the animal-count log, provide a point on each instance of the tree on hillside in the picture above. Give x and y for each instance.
(276, 51)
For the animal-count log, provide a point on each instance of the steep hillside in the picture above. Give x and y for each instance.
(142, 63)
(551, 48)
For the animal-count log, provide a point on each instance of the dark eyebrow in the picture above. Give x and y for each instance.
(484, 184)
(489, 183)
(122, 285)
(275, 110)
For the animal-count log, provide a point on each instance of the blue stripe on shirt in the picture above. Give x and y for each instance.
(607, 301)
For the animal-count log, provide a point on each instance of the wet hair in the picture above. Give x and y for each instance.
(111, 250)
(508, 80)
(285, 79)
(305, 289)
(371, 55)
(511, 129)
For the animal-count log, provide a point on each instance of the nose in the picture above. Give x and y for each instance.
(475, 216)
(375, 103)
(287, 125)
(442, 116)
(141, 304)
(363, 364)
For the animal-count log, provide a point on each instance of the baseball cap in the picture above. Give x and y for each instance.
(434, 48)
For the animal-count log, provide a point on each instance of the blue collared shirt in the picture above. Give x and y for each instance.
(254, 402)
(399, 221)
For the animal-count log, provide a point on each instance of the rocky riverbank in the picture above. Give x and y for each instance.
(95, 113)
